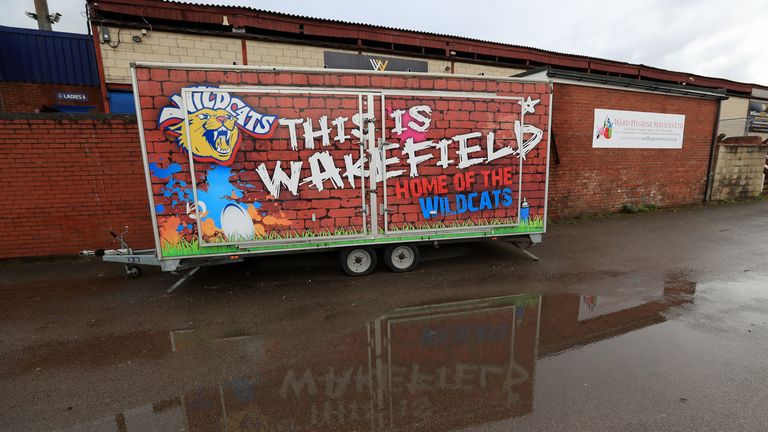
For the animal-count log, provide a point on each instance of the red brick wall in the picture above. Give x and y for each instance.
(66, 181)
(30, 97)
(590, 180)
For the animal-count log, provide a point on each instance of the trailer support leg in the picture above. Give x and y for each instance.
(524, 249)
(182, 280)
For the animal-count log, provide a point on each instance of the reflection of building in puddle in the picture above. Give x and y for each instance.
(593, 306)
(427, 368)
(571, 321)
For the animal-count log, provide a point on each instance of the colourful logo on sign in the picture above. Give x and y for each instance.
(590, 301)
(606, 131)
(215, 120)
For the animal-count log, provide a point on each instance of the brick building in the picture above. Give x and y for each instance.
(95, 181)
(176, 32)
(102, 158)
(60, 76)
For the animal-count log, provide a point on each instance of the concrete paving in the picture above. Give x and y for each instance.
(645, 322)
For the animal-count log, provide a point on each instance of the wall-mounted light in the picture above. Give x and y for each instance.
(105, 37)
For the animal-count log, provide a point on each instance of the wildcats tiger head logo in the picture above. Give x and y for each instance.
(215, 120)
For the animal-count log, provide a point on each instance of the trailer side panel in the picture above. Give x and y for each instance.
(254, 160)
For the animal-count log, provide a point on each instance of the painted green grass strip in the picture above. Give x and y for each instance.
(185, 248)
(535, 224)
(192, 249)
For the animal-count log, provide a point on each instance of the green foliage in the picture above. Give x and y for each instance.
(629, 208)
(642, 208)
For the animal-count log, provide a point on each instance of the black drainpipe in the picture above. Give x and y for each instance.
(715, 129)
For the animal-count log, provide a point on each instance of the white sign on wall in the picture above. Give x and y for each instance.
(635, 129)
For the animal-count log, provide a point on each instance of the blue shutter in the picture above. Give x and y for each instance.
(121, 102)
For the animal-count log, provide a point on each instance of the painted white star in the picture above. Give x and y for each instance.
(529, 106)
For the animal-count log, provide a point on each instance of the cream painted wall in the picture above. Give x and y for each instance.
(280, 54)
(477, 69)
(168, 47)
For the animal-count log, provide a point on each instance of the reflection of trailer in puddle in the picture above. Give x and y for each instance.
(477, 355)
(431, 368)
(428, 368)
(419, 365)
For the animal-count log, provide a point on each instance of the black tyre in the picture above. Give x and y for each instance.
(358, 261)
(132, 271)
(401, 258)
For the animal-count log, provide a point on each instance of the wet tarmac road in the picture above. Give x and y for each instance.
(634, 323)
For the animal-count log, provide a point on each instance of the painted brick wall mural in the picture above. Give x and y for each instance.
(251, 158)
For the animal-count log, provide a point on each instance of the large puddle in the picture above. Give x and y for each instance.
(679, 356)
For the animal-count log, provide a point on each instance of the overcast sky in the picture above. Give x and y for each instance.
(718, 38)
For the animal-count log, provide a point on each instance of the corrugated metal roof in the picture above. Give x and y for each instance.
(47, 57)
(358, 23)
(304, 26)
(372, 26)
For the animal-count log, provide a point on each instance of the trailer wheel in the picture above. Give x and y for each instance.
(401, 258)
(132, 271)
(358, 261)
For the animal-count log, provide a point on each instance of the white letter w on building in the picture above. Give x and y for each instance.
(379, 65)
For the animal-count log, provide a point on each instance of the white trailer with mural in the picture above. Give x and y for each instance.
(244, 161)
